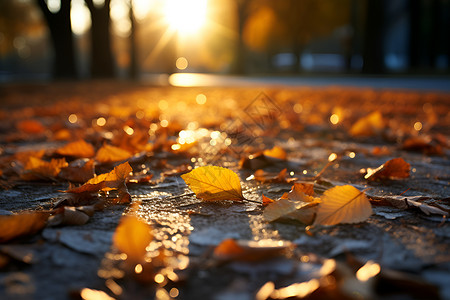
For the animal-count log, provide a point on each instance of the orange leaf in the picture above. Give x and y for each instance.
(114, 180)
(276, 152)
(132, 237)
(23, 224)
(230, 249)
(108, 154)
(396, 168)
(266, 201)
(37, 168)
(213, 183)
(264, 177)
(79, 148)
(368, 125)
(30, 126)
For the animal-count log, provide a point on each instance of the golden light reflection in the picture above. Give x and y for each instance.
(201, 99)
(182, 63)
(159, 278)
(73, 118)
(369, 270)
(89, 294)
(80, 17)
(334, 119)
(299, 290)
(138, 269)
(186, 17)
(418, 126)
(101, 121)
(332, 157)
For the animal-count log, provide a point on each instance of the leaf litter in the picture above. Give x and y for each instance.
(126, 146)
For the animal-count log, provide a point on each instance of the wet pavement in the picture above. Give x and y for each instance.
(411, 247)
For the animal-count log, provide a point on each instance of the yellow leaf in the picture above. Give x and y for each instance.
(343, 204)
(132, 237)
(21, 225)
(213, 183)
(78, 148)
(108, 153)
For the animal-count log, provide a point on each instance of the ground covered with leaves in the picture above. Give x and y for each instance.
(114, 190)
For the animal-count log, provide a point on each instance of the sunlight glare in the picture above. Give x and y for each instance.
(80, 17)
(186, 17)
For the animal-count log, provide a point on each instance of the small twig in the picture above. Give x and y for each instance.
(252, 201)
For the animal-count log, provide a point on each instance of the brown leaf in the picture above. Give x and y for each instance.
(78, 148)
(264, 177)
(396, 168)
(23, 224)
(78, 171)
(114, 180)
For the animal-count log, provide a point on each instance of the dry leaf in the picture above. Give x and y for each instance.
(114, 180)
(343, 204)
(108, 154)
(368, 125)
(37, 168)
(213, 183)
(250, 251)
(276, 152)
(79, 171)
(264, 177)
(132, 237)
(22, 224)
(78, 148)
(266, 200)
(396, 168)
(30, 126)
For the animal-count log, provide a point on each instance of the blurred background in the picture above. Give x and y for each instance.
(83, 39)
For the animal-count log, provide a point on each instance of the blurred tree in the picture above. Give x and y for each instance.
(62, 39)
(133, 69)
(242, 9)
(373, 55)
(102, 62)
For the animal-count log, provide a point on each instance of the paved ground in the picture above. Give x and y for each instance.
(409, 246)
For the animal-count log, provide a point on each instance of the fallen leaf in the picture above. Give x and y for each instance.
(250, 251)
(108, 154)
(30, 126)
(37, 169)
(79, 171)
(80, 149)
(396, 168)
(368, 125)
(69, 216)
(22, 224)
(422, 144)
(294, 205)
(276, 152)
(264, 177)
(212, 183)
(266, 200)
(132, 237)
(114, 180)
(343, 204)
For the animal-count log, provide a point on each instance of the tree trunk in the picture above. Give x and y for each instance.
(102, 62)
(373, 55)
(133, 68)
(62, 40)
